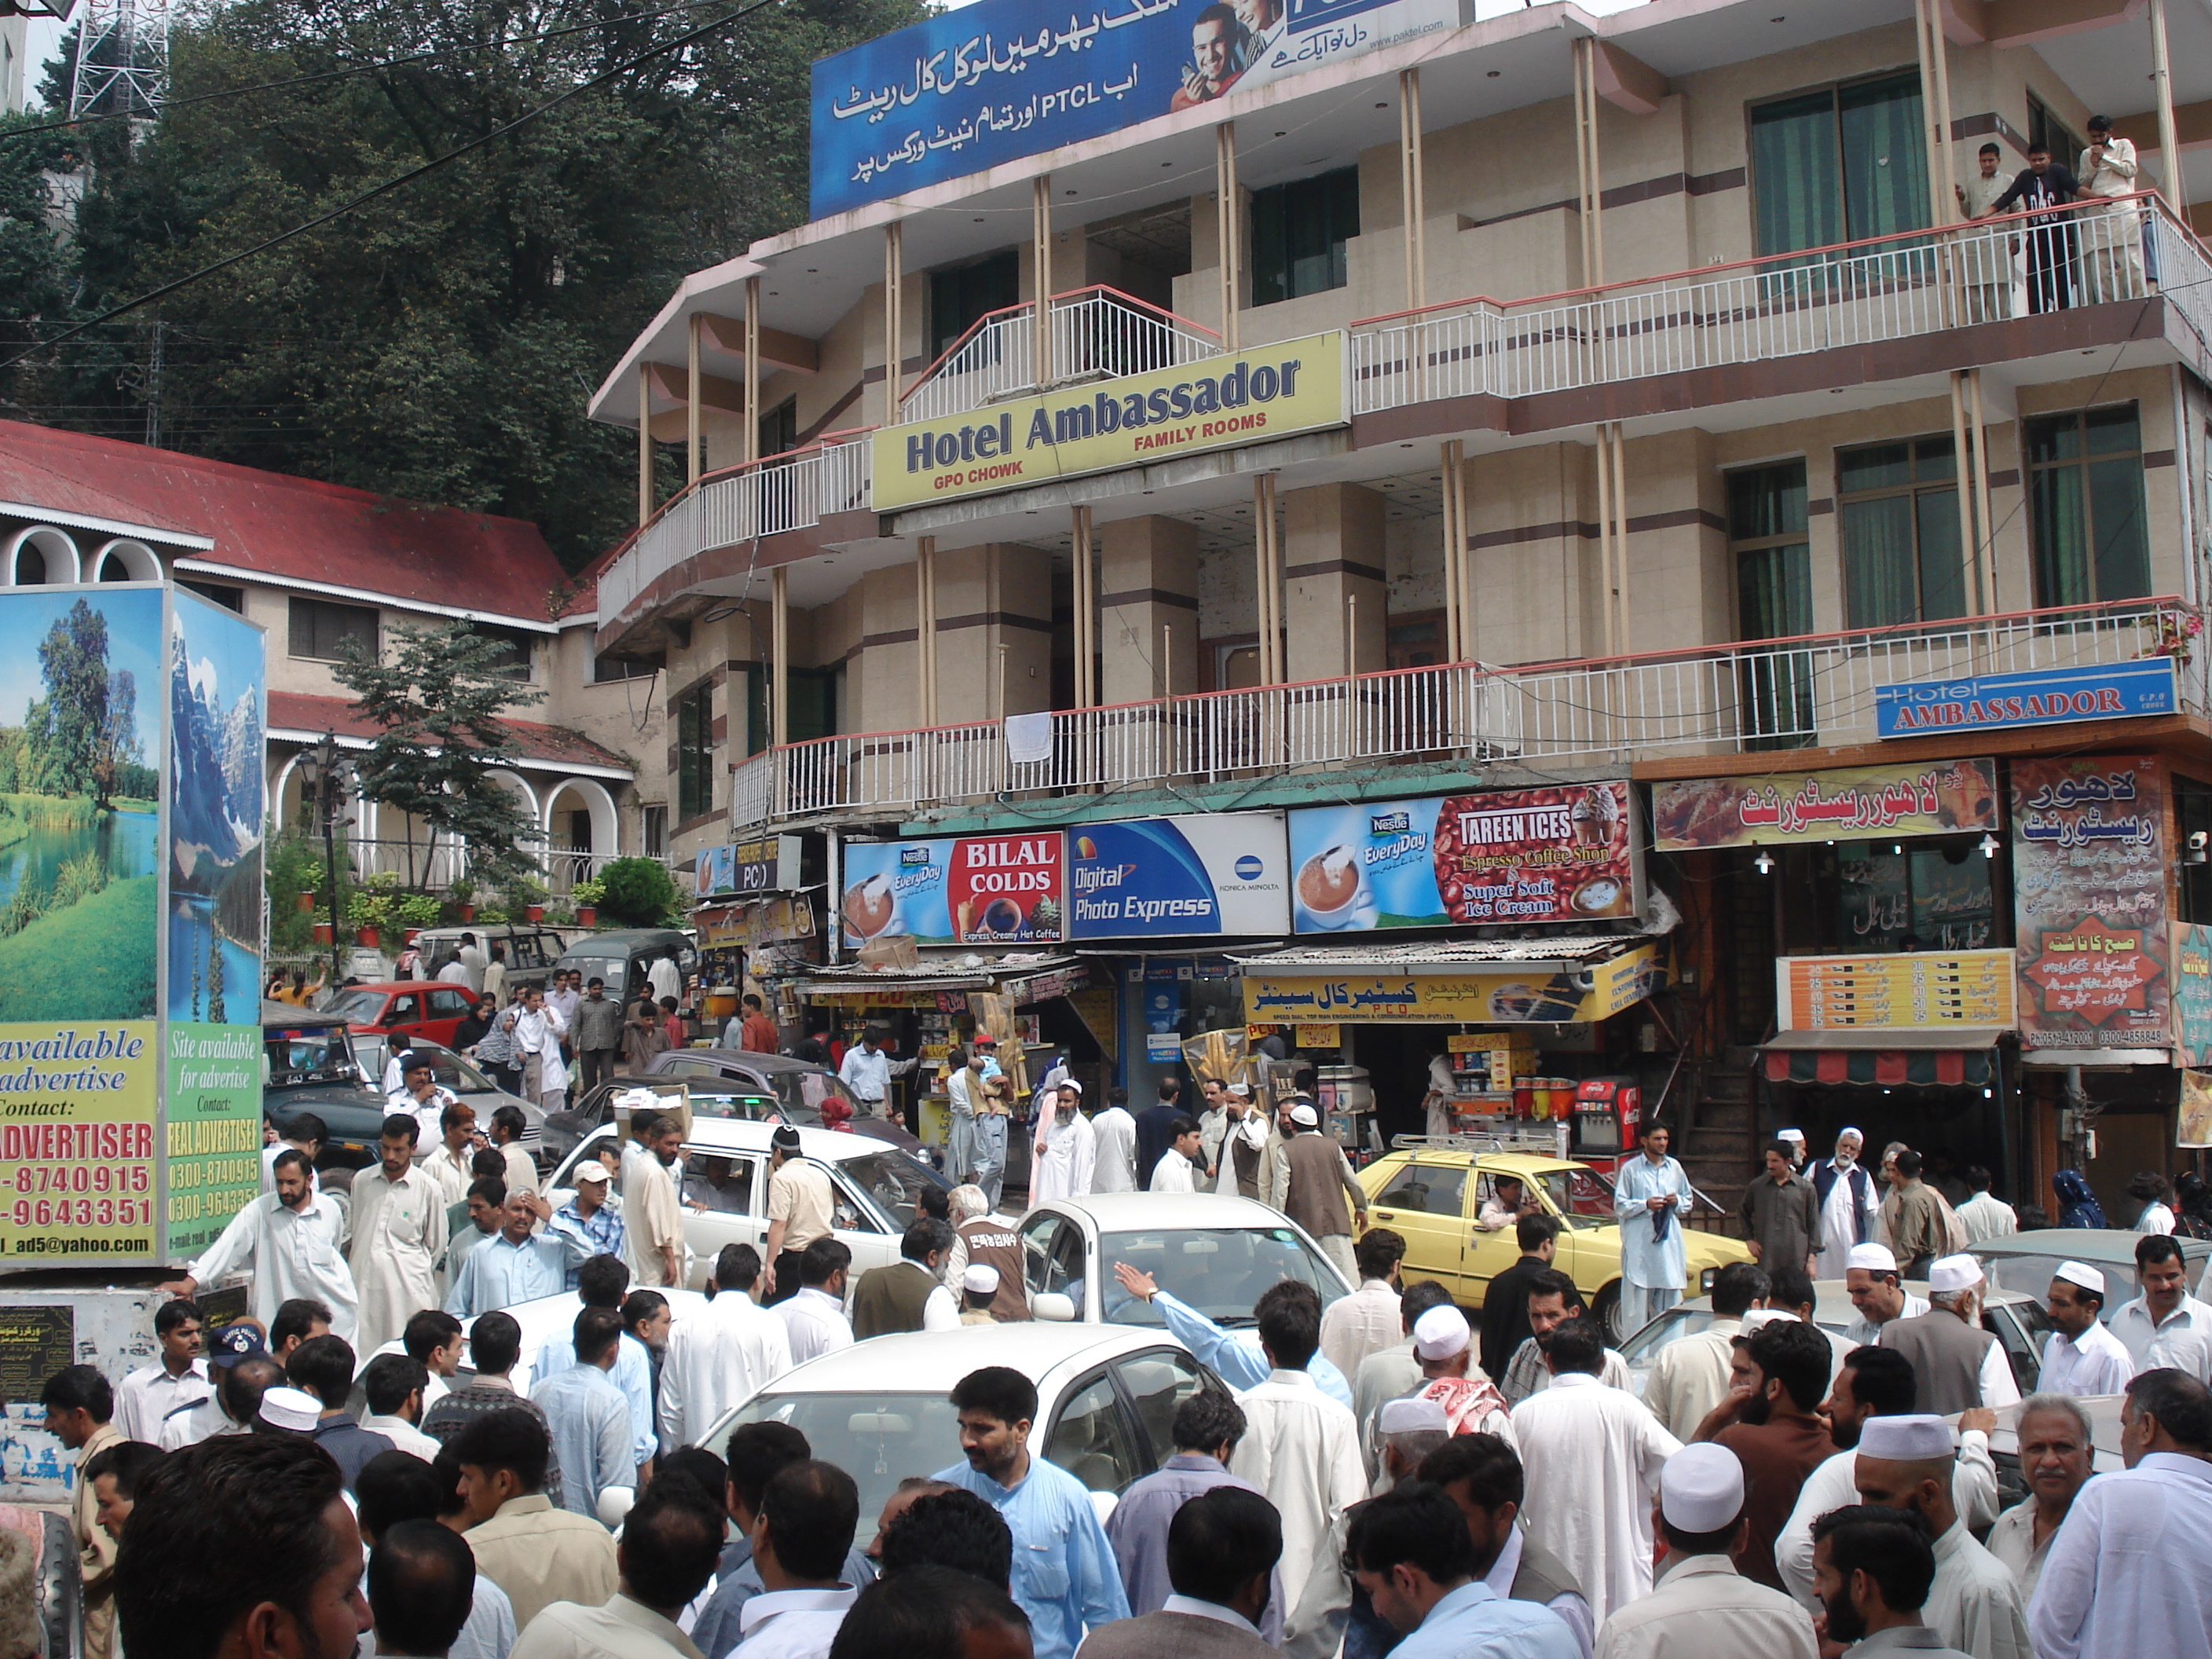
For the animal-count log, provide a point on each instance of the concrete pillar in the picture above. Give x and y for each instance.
(879, 684)
(1533, 583)
(1147, 609)
(1333, 582)
(993, 632)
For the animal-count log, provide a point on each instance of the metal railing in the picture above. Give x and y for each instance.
(1813, 691)
(1097, 333)
(1854, 294)
(435, 866)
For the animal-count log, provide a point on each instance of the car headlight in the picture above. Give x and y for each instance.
(1706, 1281)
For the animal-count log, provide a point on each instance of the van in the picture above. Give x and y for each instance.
(531, 952)
(624, 957)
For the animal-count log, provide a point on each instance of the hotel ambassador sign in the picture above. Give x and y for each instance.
(1226, 402)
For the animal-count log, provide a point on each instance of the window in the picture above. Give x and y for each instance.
(1298, 234)
(1897, 515)
(605, 671)
(1774, 600)
(1934, 893)
(2084, 493)
(230, 599)
(958, 297)
(1431, 1188)
(1157, 1382)
(695, 754)
(717, 1181)
(1839, 164)
(2192, 816)
(510, 657)
(1091, 1439)
(1053, 1251)
(813, 711)
(2046, 131)
(323, 630)
(779, 429)
(655, 832)
(450, 1005)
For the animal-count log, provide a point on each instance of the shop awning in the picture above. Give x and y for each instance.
(1887, 1059)
(1023, 975)
(1444, 955)
(1518, 981)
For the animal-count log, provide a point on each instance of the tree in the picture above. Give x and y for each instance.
(441, 701)
(117, 746)
(73, 717)
(638, 893)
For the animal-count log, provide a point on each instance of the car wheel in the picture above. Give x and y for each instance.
(1607, 1311)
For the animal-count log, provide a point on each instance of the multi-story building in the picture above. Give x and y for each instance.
(319, 567)
(1339, 409)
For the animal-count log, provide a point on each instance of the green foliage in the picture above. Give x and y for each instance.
(438, 345)
(418, 910)
(42, 963)
(588, 891)
(638, 893)
(84, 723)
(292, 866)
(491, 914)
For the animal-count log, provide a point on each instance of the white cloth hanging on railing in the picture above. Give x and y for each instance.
(1028, 738)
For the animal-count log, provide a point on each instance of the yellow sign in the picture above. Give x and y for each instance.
(1094, 1008)
(76, 1141)
(1918, 990)
(1320, 1036)
(1216, 402)
(1501, 998)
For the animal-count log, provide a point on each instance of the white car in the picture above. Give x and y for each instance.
(723, 1178)
(1214, 1254)
(881, 1410)
(550, 1321)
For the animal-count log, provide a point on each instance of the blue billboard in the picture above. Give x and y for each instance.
(2043, 697)
(1002, 79)
(1219, 872)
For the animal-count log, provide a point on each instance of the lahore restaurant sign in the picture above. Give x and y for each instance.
(1796, 808)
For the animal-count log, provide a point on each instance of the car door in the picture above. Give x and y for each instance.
(403, 1015)
(1426, 1202)
(1155, 1382)
(855, 1225)
(1094, 1436)
(1490, 1253)
(449, 1006)
(1052, 1258)
(730, 1214)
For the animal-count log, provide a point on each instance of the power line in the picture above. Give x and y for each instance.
(396, 182)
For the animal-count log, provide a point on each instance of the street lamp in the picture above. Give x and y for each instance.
(323, 769)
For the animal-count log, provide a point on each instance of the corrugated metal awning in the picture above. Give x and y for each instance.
(1444, 956)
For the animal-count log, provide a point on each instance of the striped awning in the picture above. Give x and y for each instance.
(1937, 1068)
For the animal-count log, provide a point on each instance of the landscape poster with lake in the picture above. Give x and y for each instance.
(2089, 904)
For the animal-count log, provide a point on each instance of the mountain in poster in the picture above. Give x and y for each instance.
(215, 805)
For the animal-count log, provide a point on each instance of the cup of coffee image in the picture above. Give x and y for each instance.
(869, 906)
(1002, 915)
(1329, 885)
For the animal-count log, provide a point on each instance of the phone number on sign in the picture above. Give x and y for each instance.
(80, 1178)
(81, 1213)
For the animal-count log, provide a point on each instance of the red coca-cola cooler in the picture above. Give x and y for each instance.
(1607, 1110)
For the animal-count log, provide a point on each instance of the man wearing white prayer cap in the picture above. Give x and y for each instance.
(2080, 1357)
(1315, 1181)
(1702, 1607)
(1957, 1364)
(1443, 1347)
(1849, 1202)
(1904, 1462)
(1410, 1429)
(294, 1410)
(1871, 1279)
(979, 1289)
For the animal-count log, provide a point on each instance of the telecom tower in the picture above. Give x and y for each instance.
(122, 58)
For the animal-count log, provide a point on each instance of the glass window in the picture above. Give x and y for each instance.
(2086, 506)
(229, 597)
(1581, 1198)
(509, 657)
(877, 1438)
(695, 753)
(2193, 813)
(1896, 519)
(962, 296)
(1219, 1271)
(779, 429)
(1839, 164)
(606, 670)
(1927, 896)
(1158, 1382)
(1054, 1252)
(655, 831)
(1774, 601)
(450, 1005)
(1091, 1440)
(719, 1182)
(1299, 230)
(1431, 1188)
(893, 1182)
(326, 631)
(2047, 131)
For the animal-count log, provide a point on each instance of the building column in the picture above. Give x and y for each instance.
(750, 447)
(2169, 142)
(644, 443)
(1229, 229)
(894, 319)
(1411, 195)
(1333, 582)
(1040, 278)
(1085, 598)
(1148, 609)
(994, 624)
(693, 417)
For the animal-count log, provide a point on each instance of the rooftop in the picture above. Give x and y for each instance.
(295, 713)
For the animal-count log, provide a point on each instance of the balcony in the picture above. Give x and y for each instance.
(1814, 692)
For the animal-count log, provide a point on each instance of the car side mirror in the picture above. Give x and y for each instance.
(1053, 1305)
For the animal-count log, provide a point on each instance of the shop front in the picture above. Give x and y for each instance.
(756, 924)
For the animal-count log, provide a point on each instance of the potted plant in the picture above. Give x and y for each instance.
(307, 900)
(586, 894)
(370, 912)
(527, 894)
(416, 912)
(463, 894)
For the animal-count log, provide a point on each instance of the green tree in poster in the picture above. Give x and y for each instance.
(117, 748)
(72, 721)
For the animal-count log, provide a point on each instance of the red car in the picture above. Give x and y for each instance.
(416, 1008)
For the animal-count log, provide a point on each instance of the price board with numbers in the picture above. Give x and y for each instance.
(1913, 991)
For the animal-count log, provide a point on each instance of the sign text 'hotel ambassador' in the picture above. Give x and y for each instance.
(1216, 402)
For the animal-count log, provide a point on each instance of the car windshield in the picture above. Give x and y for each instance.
(358, 1007)
(1583, 1197)
(879, 1439)
(893, 1180)
(804, 1091)
(1219, 1271)
(319, 1054)
(615, 970)
(707, 1101)
(1641, 1350)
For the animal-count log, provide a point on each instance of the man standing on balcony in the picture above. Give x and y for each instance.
(2042, 187)
(1989, 265)
(2111, 268)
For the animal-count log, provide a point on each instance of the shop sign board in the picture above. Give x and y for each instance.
(1225, 402)
(2039, 697)
(2192, 993)
(975, 88)
(1503, 997)
(1215, 872)
(1905, 992)
(956, 889)
(769, 865)
(777, 921)
(2193, 1125)
(1781, 809)
(2089, 902)
(1568, 852)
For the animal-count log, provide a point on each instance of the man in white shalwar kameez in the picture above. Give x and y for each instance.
(1113, 1138)
(1591, 1457)
(1907, 1462)
(1849, 1202)
(720, 1351)
(537, 1037)
(1065, 1152)
(398, 1233)
(1651, 1197)
(289, 1243)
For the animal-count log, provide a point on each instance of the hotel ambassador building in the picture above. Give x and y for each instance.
(1544, 526)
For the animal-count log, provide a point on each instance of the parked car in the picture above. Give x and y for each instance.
(735, 1076)
(309, 1066)
(1431, 1193)
(1214, 1254)
(2028, 1262)
(461, 1074)
(531, 951)
(882, 1409)
(413, 1008)
(2018, 1322)
(724, 1183)
(623, 956)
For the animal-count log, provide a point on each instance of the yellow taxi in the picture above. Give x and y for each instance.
(1431, 1191)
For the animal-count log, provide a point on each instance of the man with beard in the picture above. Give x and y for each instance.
(1905, 1463)
(1849, 1203)
(653, 1216)
(1875, 1383)
(1772, 1429)
(287, 1243)
(1872, 1568)
(1553, 1301)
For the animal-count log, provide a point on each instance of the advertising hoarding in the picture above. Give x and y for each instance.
(1219, 872)
(1002, 79)
(964, 889)
(1503, 996)
(1781, 808)
(1915, 991)
(1568, 852)
(2042, 696)
(2192, 993)
(769, 865)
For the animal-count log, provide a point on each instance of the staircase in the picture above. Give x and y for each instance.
(1721, 1148)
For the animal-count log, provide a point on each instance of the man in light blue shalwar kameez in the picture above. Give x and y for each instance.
(1651, 1196)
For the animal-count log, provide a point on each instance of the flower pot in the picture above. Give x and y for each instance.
(365, 937)
(322, 933)
(412, 933)
(306, 903)
(588, 915)
(468, 913)
(534, 912)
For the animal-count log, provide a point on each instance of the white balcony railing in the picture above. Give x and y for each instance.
(1816, 690)
(1857, 294)
(433, 866)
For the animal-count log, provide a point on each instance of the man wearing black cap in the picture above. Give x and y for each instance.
(204, 1418)
(799, 1208)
